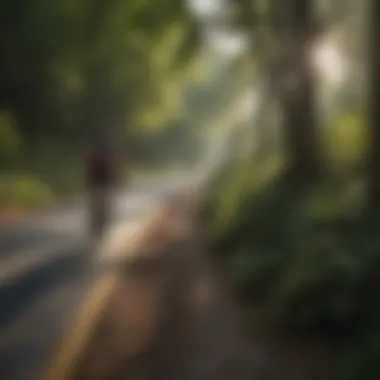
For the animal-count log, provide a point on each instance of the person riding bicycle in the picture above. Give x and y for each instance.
(101, 176)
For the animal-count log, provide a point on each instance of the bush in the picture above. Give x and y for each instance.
(306, 252)
(9, 139)
(316, 289)
(23, 191)
(346, 142)
(254, 273)
(360, 360)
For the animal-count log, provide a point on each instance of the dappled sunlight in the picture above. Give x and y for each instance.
(329, 62)
(228, 44)
(206, 8)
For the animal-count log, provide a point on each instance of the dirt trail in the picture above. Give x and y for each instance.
(166, 314)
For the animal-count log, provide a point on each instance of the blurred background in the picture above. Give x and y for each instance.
(275, 104)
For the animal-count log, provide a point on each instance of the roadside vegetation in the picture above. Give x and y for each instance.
(295, 222)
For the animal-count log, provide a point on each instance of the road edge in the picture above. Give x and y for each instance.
(73, 344)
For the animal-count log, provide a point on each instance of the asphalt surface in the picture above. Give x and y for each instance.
(46, 268)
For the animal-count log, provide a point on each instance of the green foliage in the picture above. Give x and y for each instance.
(9, 138)
(254, 273)
(69, 67)
(23, 191)
(306, 252)
(232, 194)
(318, 285)
(346, 138)
(360, 360)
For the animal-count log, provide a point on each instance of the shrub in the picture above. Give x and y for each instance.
(23, 191)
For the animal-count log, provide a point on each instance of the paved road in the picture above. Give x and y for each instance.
(46, 267)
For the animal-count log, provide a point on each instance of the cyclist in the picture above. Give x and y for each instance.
(101, 171)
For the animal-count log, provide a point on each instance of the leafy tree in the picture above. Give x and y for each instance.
(71, 66)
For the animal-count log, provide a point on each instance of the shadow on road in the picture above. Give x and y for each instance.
(18, 295)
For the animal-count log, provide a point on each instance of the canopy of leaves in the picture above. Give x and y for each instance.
(69, 65)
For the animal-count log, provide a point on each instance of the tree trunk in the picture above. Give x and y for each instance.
(289, 75)
(374, 100)
(297, 97)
